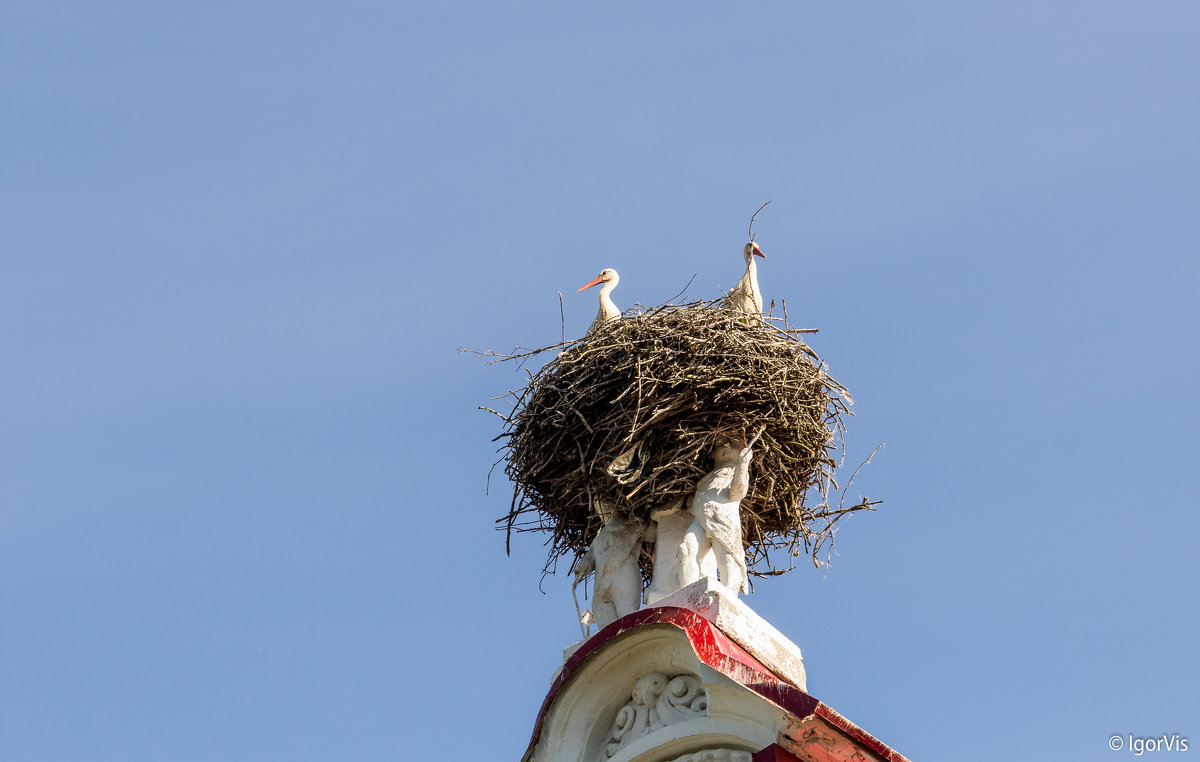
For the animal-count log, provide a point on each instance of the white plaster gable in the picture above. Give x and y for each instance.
(720, 718)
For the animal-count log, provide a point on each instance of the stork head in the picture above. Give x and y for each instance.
(607, 275)
(752, 250)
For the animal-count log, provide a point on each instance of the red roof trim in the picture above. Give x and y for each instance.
(775, 753)
(853, 731)
(722, 654)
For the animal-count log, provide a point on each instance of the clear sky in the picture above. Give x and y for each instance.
(242, 476)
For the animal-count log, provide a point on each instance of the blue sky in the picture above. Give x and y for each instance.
(242, 477)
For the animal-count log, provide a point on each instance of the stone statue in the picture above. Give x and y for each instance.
(613, 556)
(716, 517)
(669, 524)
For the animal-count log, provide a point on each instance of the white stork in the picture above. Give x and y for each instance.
(608, 308)
(746, 296)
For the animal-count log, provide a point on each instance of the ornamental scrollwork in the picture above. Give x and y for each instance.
(657, 701)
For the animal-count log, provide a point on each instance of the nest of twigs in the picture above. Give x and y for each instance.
(628, 416)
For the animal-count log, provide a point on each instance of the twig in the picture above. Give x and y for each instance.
(685, 288)
(858, 468)
(750, 230)
(562, 318)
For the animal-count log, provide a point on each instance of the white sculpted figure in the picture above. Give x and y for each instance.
(670, 524)
(716, 518)
(613, 556)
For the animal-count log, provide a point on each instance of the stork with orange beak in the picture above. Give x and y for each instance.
(746, 296)
(608, 308)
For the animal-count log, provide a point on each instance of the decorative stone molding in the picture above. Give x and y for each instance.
(751, 702)
(657, 701)
(715, 755)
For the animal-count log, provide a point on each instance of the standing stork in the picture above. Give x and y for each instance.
(608, 308)
(746, 296)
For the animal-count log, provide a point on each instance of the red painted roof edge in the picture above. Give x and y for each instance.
(831, 716)
(722, 654)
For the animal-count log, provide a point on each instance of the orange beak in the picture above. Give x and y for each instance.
(599, 279)
(757, 251)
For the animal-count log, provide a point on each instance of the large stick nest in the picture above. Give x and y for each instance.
(628, 416)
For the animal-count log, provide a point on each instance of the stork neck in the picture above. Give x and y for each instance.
(608, 308)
